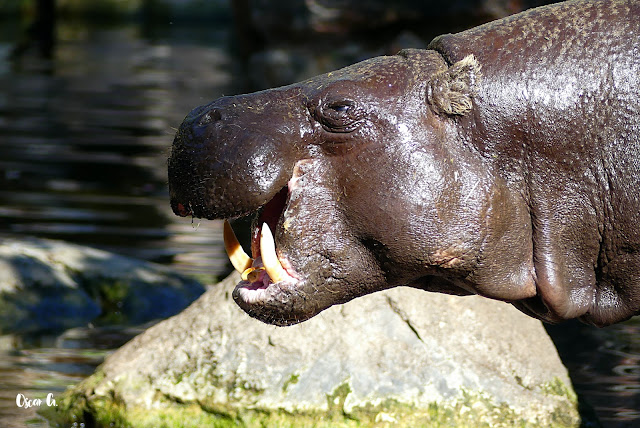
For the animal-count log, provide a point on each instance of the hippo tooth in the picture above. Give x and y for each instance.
(269, 258)
(239, 259)
(252, 274)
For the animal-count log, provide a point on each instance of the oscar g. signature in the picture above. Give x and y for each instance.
(24, 402)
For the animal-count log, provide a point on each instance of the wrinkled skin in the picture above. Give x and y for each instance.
(514, 176)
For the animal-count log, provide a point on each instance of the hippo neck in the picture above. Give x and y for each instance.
(534, 84)
(548, 120)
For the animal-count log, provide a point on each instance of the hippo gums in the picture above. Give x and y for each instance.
(502, 161)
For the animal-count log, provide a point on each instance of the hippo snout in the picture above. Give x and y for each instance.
(225, 162)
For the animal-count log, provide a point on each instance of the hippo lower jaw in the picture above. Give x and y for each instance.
(262, 272)
(267, 279)
(268, 291)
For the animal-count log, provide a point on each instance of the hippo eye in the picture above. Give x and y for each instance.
(340, 116)
(341, 108)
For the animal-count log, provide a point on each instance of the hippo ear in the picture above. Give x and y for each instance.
(451, 91)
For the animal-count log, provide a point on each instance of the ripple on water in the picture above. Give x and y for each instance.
(34, 367)
(604, 365)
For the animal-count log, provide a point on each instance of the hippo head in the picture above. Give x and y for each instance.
(361, 179)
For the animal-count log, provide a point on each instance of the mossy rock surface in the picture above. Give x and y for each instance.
(402, 357)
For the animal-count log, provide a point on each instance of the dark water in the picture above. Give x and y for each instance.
(604, 365)
(35, 367)
(84, 137)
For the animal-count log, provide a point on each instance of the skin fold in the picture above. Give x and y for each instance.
(502, 161)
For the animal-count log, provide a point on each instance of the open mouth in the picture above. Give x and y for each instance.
(264, 268)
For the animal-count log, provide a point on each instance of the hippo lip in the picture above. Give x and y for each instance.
(259, 288)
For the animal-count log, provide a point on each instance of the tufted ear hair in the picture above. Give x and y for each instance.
(451, 91)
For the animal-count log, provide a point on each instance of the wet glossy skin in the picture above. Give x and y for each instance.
(517, 181)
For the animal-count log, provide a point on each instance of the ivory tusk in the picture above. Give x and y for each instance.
(269, 258)
(239, 259)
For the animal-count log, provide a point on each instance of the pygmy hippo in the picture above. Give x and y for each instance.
(502, 161)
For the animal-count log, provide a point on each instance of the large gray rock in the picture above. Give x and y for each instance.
(54, 285)
(401, 356)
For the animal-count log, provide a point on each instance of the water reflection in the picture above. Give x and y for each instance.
(604, 365)
(85, 140)
(36, 367)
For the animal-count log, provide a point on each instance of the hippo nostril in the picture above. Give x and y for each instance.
(212, 115)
